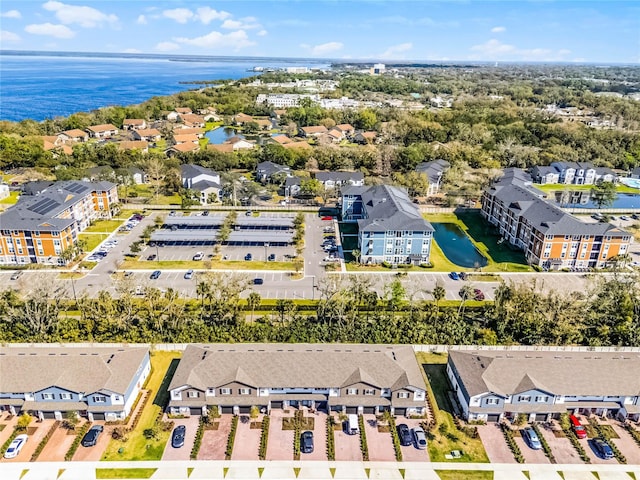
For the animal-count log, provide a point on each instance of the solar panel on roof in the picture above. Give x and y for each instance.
(76, 187)
(44, 206)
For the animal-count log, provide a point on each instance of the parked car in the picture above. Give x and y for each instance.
(172, 213)
(16, 275)
(419, 438)
(151, 257)
(258, 281)
(128, 274)
(91, 437)
(177, 438)
(463, 275)
(205, 213)
(16, 445)
(454, 276)
(155, 275)
(404, 434)
(635, 216)
(188, 275)
(248, 213)
(248, 257)
(271, 257)
(602, 448)
(477, 294)
(624, 217)
(531, 438)
(198, 256)
(577, 427)
(351, 426)
(306, 442)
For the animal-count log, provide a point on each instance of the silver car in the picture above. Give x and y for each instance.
(419, 438)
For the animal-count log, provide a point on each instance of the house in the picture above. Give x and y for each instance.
(55, 145)
(101, 172)
(241, 119)
(313, 131)
(202, 180)
(434, 170)
(264, 124)
(572, 173)
(49, 217)
(346, 129)
(265, 171)
(180, 129)
(494, 384)
(333, 136)
(140, 145)
(134, 124)
(364, 138)
(221, 147)
(188, 138)
(195, 121)
(147, 134)
(102, 131)
(281, 139)
(365, 379)
(100, 383)
(240, 143)
(549, 237)
(74, 135)
(545, 175)
(292, 186)
(175, 114)
(635, 173)
(4, 191)
(391, 228)
(188, 147)
(330, 180)
(138, 175)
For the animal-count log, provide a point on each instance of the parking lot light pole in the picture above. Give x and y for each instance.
(266, 245)
(313, 288)
(157, 253)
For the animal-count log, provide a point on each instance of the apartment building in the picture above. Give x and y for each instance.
(550, 237)
(572, 173)
(390, 227)
(494, 384)
(347, 378)
(100, 383)
(40, 227)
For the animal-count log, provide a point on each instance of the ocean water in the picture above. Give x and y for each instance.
(39, 86)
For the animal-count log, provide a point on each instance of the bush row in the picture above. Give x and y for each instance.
(198, 440)
(468, 430)
(44, 441)
(126, 420)
(331, 441)
(296, 433)
(511, 441)
(633, 432)
(604, 434)
(231, 438)
(545, 445)
(264, 438)
(6, 444)
(396, 440)
(570, 434)
(363, 439)
(76, 442)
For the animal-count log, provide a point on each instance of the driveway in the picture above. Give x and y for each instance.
(214, 442)
(530, 455)
(587, 445)
(280, 443)
(34, 440)
(319, 438)
(626, 444)
(57, 446)
(184, 452)
(495, 444)
(347, 446)
(410, 453)
(94, 453)
(561, 447)
(247, 441)
(380, 444)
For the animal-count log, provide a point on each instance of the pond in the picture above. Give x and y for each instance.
(582, 199)
(221, 134)
(457, 246)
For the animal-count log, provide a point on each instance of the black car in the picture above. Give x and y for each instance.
(248, 257)
(155, 275)
(272, 257)
(151, 257)
(177, 438)
(306, 442)
(91, 437)
(602, 448)
(205, 213)
(258, 281)
(404, 434)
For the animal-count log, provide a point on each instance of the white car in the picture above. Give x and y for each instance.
(198, 256)
(14, 449)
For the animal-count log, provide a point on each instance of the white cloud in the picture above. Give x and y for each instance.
(142, 20)
(234, 40)
(498, 29)
(8, 37)
(51, 30)
(86, 17)
(180, 15)
(323, 48)
(131, 50)
(262, 33)
(11, 14)
(206, 15)
(247, 23)
(167, 46)
(496, 50)
(396, 51)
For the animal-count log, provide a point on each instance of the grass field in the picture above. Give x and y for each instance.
(464, 475)
(559, 187)
(92, 239)
(443, 439)
(107, 473)
(11, 199)
(104, 226)
(163, 366)
(215, 265)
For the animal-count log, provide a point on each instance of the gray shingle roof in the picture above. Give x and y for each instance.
(75, 369)
(340, 177)
(558, 373)
(191, 171)
(297, 365)
(433, 169)
(269, 168)
(204, 184)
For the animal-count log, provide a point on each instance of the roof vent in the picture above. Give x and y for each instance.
(482, 365)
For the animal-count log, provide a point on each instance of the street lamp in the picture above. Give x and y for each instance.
(313, 288)
(266, 245)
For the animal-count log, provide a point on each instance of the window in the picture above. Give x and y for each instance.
(65, 396)
(492, 401)
(369, 391)
(99, 399)
(352, 391)
(225, 391)
(193, 394)
(245, 391)
(524, 398)
(542, 399)
(47, 396)
(403, 394)
(211, 391)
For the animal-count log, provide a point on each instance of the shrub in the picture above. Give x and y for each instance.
(44, 441)
(570, 434)
(545, 445)
(76, 442)
(298, 416)
(120, 433)
(231, 438)
(23, 422)
(604, 434)
(6, 444)
(151, 433)
(264, 438)
(633, 432)
(331, 442)
(394, 436)
(198, 440)
(513, 446)
(363, 439)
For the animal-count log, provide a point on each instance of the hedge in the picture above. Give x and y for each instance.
(231, 438)
(571, 435)
(363, 439)
(545, 445)
(633, 432)
(296, 434)
(511, 441)
(604, 435)
(76, 441)
(264, 438)
(6, 444)
(44, 441)
(198, 440)
(396, 440)
(331, 441)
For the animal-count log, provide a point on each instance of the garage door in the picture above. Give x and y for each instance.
(99, 416)
(336, 408)
(370, 410)
(49, 415)
(195, 410)
(245, 409)
(541, 417)
(494, 417)
(352, 410)
(400, 411)
(227, 409)
(276, 404)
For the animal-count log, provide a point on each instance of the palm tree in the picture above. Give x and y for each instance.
(438, 294)
(253, 302)
(466, 292)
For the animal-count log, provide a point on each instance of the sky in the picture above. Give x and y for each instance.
(422, 30)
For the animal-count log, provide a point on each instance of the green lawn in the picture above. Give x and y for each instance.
(167, 200)
(92, 239)
(559, 187)
(11, 199)
(108, 473)
(443, 442)
(104, 226)
(163, 366)
(135, 191)
(161, 146)
(464, 475)
(215, 265)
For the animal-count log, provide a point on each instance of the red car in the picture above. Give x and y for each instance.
(326, 218)
(578, 429)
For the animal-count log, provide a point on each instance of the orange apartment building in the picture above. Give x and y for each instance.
(550, 237)
(40, 227)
